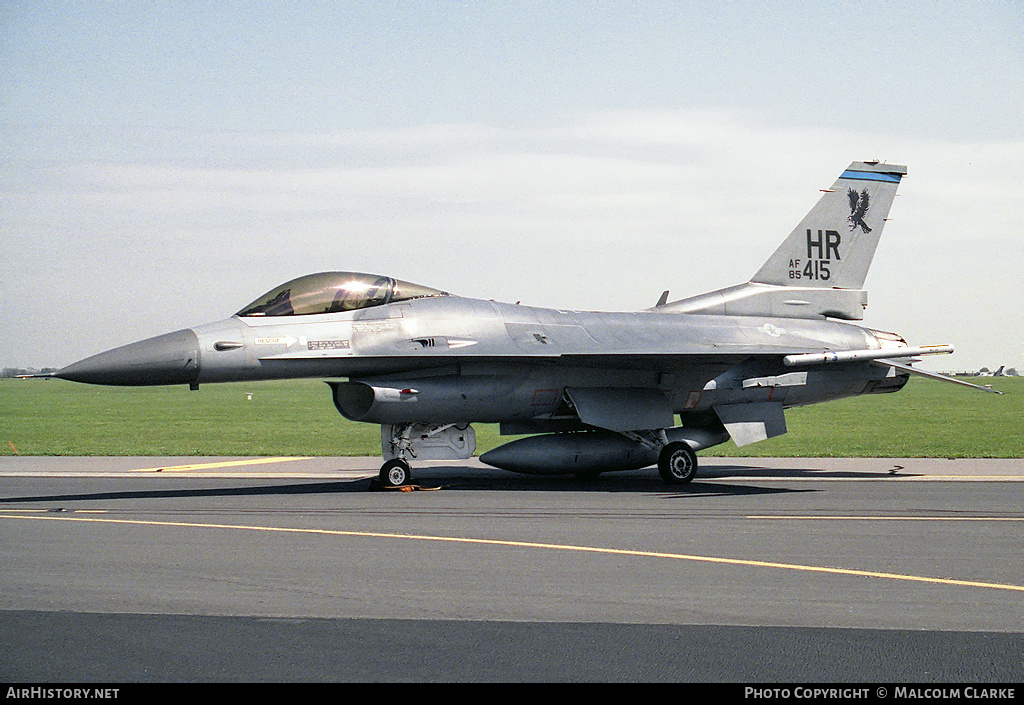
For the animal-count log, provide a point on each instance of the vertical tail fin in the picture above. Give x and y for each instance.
(833, 245)
(819, 270)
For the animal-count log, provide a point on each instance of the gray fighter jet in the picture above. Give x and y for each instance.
(594, 392)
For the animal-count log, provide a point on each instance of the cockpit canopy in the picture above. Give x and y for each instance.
(332, 292)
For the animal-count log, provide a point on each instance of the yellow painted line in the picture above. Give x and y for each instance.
(548, 546)
(222, 464)
(954, 478)
(855, 518)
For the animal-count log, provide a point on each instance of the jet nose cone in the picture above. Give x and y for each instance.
(172, 358)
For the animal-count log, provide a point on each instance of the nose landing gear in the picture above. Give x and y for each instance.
(399, 443)
(395, 473)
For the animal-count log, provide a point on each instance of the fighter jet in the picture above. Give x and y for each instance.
(593, 391)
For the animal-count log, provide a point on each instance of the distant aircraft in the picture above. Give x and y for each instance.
(597, 392)
(997, 373)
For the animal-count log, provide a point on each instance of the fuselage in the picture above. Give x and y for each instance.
(478, 360)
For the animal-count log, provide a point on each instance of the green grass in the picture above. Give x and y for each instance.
(52, 417)
(926, 419)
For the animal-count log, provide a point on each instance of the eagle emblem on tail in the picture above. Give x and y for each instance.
(859, 203)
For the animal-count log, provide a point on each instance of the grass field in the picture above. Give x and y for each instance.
(52, 417)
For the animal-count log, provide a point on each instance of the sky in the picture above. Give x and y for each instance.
(163, 164)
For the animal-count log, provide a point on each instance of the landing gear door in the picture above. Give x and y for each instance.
(427, 441)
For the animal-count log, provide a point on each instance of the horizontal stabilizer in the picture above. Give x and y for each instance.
(933, 375)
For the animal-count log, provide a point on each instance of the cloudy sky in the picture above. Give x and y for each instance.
(163, 164)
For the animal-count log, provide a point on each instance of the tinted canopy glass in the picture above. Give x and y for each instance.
(331, 292)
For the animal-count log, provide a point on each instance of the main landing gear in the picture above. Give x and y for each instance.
(677, 463)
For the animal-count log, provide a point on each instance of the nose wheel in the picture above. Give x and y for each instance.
(395, 473)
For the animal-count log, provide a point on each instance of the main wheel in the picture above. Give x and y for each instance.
(677, 463)
(395, 473)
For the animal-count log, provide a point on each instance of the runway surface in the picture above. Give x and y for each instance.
(762, 570)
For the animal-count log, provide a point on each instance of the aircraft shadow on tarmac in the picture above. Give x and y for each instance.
(753, 471)
(453, 477)
(291, 489)
(439, 478)
(637, 482)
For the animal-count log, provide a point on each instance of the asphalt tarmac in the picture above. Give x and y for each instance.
(127, 570)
